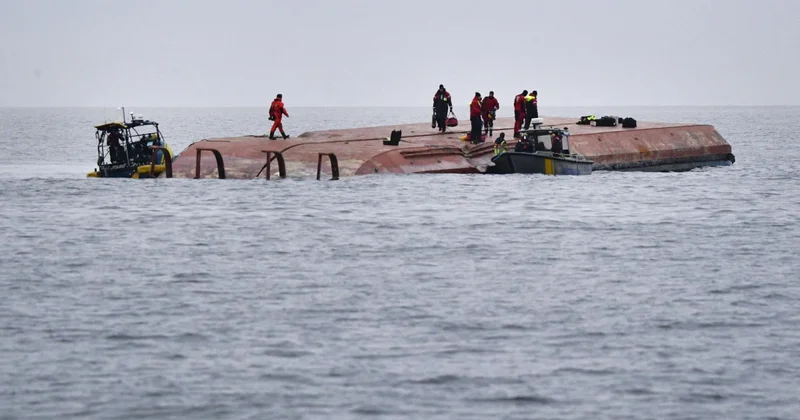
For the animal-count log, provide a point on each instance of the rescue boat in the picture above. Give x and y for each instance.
(550, 155)
(134, 149)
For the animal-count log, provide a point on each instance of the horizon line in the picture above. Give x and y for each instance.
(393, 106)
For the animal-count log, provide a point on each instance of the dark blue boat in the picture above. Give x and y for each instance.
(549, 154)
(546, 163)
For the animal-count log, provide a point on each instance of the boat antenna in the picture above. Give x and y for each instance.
(123, 114)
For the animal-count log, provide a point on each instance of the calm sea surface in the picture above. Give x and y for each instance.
(613, 296)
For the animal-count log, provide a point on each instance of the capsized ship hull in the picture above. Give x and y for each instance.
(421, 149)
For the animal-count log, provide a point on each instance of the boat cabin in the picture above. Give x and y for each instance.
(551, 154)
(553, 140)
(123, 146)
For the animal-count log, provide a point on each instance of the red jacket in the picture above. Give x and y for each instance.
(442, 100)
(490, 104)
(519, 103)
(276, 109)
(475, 107)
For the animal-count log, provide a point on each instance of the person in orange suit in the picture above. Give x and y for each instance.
(276, 113)
(475, 111)
(519, 111)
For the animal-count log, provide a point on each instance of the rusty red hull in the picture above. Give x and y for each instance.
(361, 151)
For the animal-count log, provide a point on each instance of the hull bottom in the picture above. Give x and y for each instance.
(669, 165)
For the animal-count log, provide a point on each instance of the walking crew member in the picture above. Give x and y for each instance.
(519, 111)
(490, 107)
(441, 102)
(276, 113)
(475, 111)
(531, 108)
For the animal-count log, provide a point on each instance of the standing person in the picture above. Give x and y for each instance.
(531, 108)
(475, 111)
(519, 111)
(490, 107)
(276, 113)
(115, 148)
(441, 102)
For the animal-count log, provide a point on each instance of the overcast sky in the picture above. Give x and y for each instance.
(373, 52)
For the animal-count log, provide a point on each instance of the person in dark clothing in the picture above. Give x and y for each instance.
(490, 107)
(475, 112)
(555, 141)
(116, 151)
(531, 108)
(524, 145)
(441, 103)
(500, 144)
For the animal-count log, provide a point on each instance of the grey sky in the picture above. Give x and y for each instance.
(373, 52)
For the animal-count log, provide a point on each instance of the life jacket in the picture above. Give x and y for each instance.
(441, 99)
(531, 100)
(519, 103)
(490, 104)
(475, 107)
(275, 108)
(499, 147)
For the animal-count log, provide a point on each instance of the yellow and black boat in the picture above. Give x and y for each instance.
(134, 149)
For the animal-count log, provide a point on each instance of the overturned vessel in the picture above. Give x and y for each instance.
(416, 148)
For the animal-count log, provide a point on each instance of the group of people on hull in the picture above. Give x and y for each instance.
(483, 111)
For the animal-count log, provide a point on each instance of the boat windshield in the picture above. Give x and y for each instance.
(547, 140)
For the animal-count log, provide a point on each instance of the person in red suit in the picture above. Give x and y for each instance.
(519, 111)
(490, 107)
(475, 111)
(276, 113)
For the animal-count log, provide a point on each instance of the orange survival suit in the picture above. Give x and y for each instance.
(276, 113)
